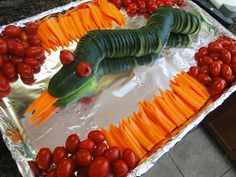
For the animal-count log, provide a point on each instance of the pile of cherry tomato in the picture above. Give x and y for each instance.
(89, 158)
(21, 55)
(144, 7)
(216, 65)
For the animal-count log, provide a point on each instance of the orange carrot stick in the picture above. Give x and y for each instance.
(118, 136)
(109, 139)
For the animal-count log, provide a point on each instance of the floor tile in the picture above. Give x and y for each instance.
(198, 156)
(164, 167)
(230, 173)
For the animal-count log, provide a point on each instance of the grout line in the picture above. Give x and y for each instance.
(176, 164)
(226, 172)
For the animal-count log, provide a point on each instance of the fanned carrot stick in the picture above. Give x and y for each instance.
(109, 139)
(118, 136)
(96, 15)
(78, 23)
(64, 28)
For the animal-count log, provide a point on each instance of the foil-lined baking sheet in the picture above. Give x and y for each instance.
(108, 106)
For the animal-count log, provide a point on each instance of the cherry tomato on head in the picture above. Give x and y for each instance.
(44, 158)
(113, 154)
(226, 71)
(215, 47)
(97, 136)
(9, 70)
(204, 70)
(120, 168)
(87, 144)
(83, 69)
(84, 157)
(3, 47)
(100, 167)
(225, 56)
(66, 57)
(142, 6)
(130, 158)
(194, 71)
(31, 28)
(218, 85)
(215, 68)
(202, 51)
(12, 31)
(65, 168)
(72, 143)
(58, 154)
(4, 83)
(132, 8)
(100, 149)
(204, 79)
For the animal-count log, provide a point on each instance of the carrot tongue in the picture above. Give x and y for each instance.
(43, 107)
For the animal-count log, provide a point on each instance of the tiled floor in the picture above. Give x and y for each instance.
(197, 155)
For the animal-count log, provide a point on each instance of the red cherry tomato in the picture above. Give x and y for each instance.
(97, 136)
(233, 60)
(32, 62)
(2, 60)
(16, 60)
(224, 41)
(65, 168)
(230, 78)
(33, 166)
(34, 41)
(204, 79)
(3, 47)
(83, 69)
(25, 70)
(169, 3)
(100, 149)
(206, 60)
(13, 79)
(120, 168)
(5, 93)
(233, 67)
(11, 46)
(215, 68)
(225, 56)
(159, 3)
(66, 57)
(9, 70)
(117, 3)
(126, 2)
(218, 85)
(72, 143)
(100, 167)
(130, 158)
(194, 71)
(73, 158)
(132, 8)
(113, 154)
(142, 6)
(19, 49)
(202, 51)
(196, 56)
(232, 49)
(44, 158)
(226, 71)
(83, 171)
(31, 28)
(214, 56)
(204, 70)
(28, 81)
(87, 144)
(4, 83)
(84, 157)
(215, 47)
(12, 31)
(58, 154)
(51, 173)
(34, 52)
(151, 6)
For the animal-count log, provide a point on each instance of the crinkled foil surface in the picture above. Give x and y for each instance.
(111, 105)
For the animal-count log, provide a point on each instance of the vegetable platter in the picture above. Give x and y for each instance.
(160, 77)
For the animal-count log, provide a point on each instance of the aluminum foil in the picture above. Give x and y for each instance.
(109, 106)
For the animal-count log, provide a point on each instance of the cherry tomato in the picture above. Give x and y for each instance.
(151, 6)
(32, 62)
(204, 79)
(215, 68)
(83, 171)
(2, 60)
(33, 166)
(194, 71)
(31, 28)
(202, 51)
(225, 56)
(100, 167)
(51, 173)
(34, 41)
(83, 69)
(12, 31)
(232, 49)
(4, 83)
(120, 168)
(215, 47)
(84, 157)
(214, 56)
(72, 143)
(169, 3)
(233, 60)
(96, 136)
(233, 67)
(225, 41)
(19, 49)
(100, 149)
(28, 81)
(142, 6)
(9, 70)
(10, 46)
(226, 71)
(58, 154)
(204, 70)
(65, 168)
(44, 158)
(159, 3)
(117, 3)
(16, 60)
(3, 47)
(25, 70)
(218, 85)
(130, 158)
(230, 78)
(87, 144)
(180, 3)
(126, 2)
(34, 52)
(5, 93)
(206, 60)
(113, 154)
(66, 57)
(13, 79)
(132, 8)
(196, 56)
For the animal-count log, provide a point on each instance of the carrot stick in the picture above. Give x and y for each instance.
(96, 15)
(82, 31)
(72, 32)
(106, 21)
(73, 25)
(118, 136)
(86, 18)
(110, 141)
(64, 28)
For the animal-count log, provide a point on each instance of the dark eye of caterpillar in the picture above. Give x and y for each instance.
(83, 69)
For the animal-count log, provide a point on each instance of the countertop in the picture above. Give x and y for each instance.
(10, 11)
